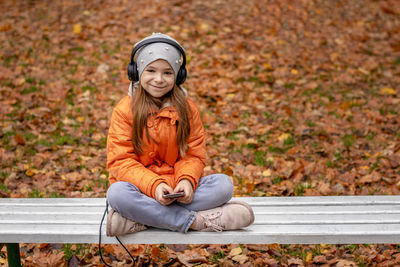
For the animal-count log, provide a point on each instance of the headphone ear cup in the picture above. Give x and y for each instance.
(132, 72)
(181, 77)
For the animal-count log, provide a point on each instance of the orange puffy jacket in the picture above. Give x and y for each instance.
(159, 162)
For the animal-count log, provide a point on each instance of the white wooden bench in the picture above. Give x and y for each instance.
(283, 220)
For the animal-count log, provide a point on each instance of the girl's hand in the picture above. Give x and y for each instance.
(161, 190)
(185, 186)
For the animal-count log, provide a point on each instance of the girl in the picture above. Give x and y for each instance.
(156, 146)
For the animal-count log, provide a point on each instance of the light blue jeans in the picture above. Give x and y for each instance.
(126, 199)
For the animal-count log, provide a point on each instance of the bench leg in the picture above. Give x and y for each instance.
(14, 259)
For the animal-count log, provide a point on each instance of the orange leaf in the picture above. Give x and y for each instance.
(19, 139)
(155, 252)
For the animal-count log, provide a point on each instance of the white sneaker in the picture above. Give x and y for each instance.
(118, 225)
(230, 216)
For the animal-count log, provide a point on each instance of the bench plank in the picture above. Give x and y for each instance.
(284, 220)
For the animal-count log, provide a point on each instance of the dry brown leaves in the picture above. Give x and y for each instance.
(297, 98)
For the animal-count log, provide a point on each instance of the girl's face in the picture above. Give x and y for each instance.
(158, 78)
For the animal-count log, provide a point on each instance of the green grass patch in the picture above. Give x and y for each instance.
(29, 90)
(300, 188)
(29, 79)
(89, 88)
(267, 115)
(77, 49)
(36, 194)
(69, 252)
(371, 136)
(102, 182)
(289, 85)
(310, 124)
(88, 187)
(276, 149)
(277, 180)
(289, 141)
(60, 140)
(348, 140)
(30, 136)
(218, 255)
(43, 142)
(29, 151)
(259, 159)
(4, 188)
(331, 164)
(57, 195)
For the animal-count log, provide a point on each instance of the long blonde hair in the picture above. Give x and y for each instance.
(142, 106)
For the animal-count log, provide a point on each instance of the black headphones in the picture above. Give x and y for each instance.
(133, 73)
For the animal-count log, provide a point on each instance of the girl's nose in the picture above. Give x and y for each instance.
(158, 77)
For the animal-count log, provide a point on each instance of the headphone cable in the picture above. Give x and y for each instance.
(100, 251)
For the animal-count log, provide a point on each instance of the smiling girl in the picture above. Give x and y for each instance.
(156, 147)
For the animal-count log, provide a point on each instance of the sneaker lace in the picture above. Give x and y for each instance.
(213, 221)
(137, 227)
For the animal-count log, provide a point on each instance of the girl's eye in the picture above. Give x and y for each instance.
(150, 70)
(168, 72)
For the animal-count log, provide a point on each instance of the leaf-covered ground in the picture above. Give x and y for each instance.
(298, 98)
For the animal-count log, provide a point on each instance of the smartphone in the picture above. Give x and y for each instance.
(174, 195)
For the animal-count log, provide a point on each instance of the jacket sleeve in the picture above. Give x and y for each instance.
(191, 167)
(122, 161)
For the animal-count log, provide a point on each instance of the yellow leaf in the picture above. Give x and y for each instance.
(80, 119)
(224, 57)
(77, 28)
(204, 26)
(267, 66)
(271, 159)
(334, 56)
(267, 173)
(388, 91)
(275, 246)
(251, 141)
(377, 154)
(235, 251)
(294, 71)
(267, 55)
(240, 258)
(283, 137)
(364, 168)
(85, 158)
(230, 96)
(30, 172)
(338, 41)
(246, 31)
(309, 256)
(20, 81)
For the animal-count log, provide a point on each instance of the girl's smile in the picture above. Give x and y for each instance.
(158, 78)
